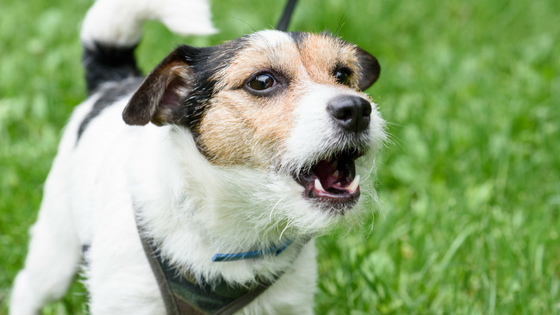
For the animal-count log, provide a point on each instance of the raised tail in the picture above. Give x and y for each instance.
(113, 28)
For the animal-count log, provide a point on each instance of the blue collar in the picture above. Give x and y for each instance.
(252, 254)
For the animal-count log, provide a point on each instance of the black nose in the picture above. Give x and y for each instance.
(350, 112)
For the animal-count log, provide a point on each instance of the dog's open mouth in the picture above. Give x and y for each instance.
(333, 179)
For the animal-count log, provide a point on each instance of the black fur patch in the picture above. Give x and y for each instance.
(105, 63)
(205, 63)
(110, 93)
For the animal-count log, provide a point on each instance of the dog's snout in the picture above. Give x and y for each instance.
(350, 112)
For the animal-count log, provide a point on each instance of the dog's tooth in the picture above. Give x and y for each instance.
(318, 185)
(335, 174)
(335, 164)
(354, 185)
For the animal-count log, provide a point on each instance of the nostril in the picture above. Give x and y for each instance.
(342, 113)
(347, 115)
(367, 111)
(366, 107)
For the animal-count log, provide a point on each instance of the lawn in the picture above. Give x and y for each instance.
(469, 183)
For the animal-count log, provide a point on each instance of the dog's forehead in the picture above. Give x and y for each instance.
(322, 53)
(295, 55)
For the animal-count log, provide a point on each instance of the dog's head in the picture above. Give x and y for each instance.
(285, 111)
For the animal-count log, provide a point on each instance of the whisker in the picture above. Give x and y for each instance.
(270, 216)
(287, 225)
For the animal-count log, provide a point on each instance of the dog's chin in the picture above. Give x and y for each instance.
(333, 211)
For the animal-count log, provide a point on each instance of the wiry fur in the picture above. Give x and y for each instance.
(215, 175)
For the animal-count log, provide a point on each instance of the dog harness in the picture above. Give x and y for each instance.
(183, 295)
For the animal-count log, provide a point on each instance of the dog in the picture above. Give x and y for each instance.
(262, 142)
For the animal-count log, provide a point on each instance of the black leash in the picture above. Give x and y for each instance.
(286, 16)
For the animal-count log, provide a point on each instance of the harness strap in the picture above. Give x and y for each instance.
(166, 294)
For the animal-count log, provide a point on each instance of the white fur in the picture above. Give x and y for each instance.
(268, 39)
(192, 209)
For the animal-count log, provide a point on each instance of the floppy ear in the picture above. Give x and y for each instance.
(162, 91)
(370, 69)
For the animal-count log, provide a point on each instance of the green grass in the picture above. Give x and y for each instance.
(470, 183)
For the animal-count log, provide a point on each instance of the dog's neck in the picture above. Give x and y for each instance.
(183, 214)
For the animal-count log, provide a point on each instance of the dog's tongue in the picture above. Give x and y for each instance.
(324, 172)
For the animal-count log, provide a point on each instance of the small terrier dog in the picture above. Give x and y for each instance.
(225, 149)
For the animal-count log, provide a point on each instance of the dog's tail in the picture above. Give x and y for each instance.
(112, 29)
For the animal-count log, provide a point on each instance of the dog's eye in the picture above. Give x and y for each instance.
(342, 76)
(262, 82)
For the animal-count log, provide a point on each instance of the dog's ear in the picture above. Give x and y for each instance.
(369, 68)
(162, 91)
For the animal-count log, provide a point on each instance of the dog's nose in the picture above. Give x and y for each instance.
(350, 112)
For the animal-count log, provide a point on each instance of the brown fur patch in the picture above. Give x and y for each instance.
(240, 128)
